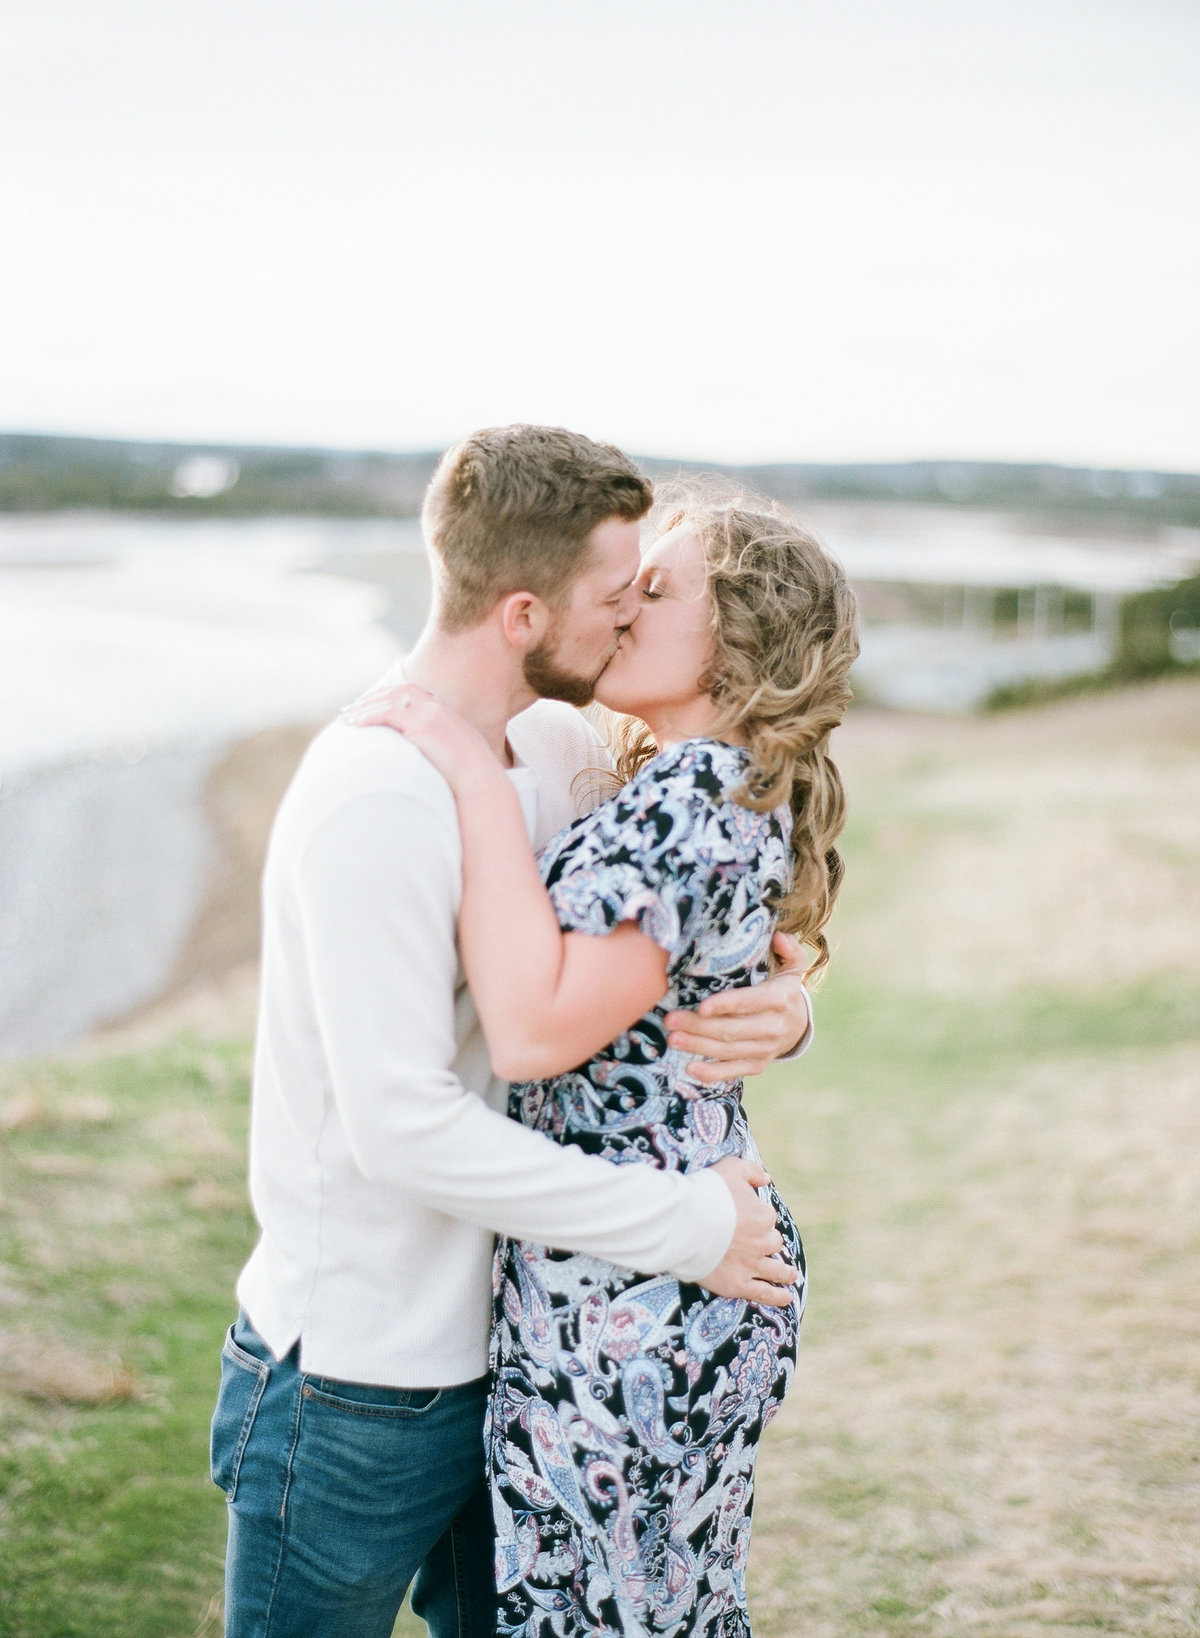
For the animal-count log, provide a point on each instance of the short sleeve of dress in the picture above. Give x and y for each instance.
(656, 853)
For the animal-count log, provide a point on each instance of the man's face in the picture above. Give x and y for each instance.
(582, 639)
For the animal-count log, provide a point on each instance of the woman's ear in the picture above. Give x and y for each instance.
(524, 619)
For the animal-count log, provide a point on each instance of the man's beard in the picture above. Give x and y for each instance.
(550, 681)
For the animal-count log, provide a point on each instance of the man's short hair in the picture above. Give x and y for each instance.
(511, 508)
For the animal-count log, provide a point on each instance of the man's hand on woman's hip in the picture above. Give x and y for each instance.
(740, 1032)
(752, 1268)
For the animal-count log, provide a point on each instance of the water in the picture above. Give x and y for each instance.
(132, 654)
(122, 635)
(134, 651)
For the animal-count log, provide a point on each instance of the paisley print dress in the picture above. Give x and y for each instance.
(626, 1410)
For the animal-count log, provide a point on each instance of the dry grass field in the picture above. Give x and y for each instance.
(996, 1424)
(994, 1152)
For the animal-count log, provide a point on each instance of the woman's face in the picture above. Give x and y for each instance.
(656, 670)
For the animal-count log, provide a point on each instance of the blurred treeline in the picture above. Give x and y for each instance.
(46, 473)
(1152, 626)
(1158, 634)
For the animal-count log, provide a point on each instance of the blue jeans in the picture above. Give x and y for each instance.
(341, 1495)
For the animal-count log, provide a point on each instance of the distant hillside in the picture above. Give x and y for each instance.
(45, 473)
(40, 473)
(1105, 495)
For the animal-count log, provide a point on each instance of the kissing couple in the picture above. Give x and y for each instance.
(512, 1341)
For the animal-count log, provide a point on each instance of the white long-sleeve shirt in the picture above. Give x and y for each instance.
(381, 1163)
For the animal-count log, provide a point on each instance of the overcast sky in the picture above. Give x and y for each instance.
(726, 229)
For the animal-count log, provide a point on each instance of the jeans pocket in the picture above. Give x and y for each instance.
(243, 1379)
(360, 1399)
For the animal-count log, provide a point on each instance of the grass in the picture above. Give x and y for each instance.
(996, 1424)
(1043, 690)
(994, 1154)
(122, 1222)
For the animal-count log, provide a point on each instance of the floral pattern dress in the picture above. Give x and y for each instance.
(626, 1410)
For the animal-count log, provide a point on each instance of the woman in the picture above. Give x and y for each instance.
(626, 1411)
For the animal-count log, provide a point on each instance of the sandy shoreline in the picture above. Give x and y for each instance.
(122, 885)
(213, 986)
(150, 680)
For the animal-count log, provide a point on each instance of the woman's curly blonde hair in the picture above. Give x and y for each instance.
(785, 634)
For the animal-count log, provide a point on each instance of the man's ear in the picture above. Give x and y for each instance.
(524, 620)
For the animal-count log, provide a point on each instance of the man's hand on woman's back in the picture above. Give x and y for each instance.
(741, 1032)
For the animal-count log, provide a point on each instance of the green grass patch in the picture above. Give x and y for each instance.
(123, 1224)
(873, 1040)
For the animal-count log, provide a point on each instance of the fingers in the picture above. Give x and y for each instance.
(774, 1270)
(725, 1054)
(743, 1179)
(751, 1172)
(758, 1045)
(374, 710)
(384, 706)
(790, 953)
(364, 701)
(750, 1042)
(770, 1296)
(383, 717)
(770, 1281)
(750, 999)
(736, 1069)
(379, 698)
(760, 1025)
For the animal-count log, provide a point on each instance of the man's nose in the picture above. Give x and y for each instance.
(628, 610)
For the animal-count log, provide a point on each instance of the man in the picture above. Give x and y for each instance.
(348, 1430)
